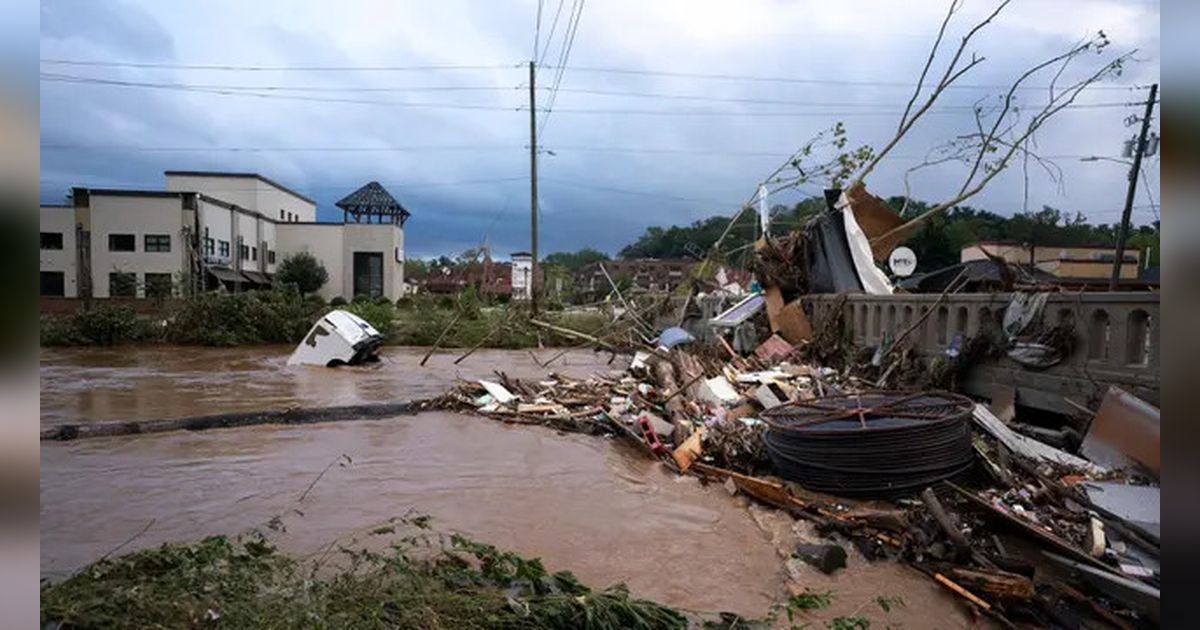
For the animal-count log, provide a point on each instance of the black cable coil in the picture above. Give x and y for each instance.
(875, 444)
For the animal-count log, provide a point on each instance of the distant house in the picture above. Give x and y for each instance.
(649, 275)
(488, 277)
(1062, 261)
(1072, 267)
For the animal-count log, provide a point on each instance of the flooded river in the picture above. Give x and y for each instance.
(588, 504)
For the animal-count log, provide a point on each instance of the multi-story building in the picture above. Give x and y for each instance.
(211, 230)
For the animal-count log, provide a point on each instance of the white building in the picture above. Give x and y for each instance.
(522, 275)
(211, 230)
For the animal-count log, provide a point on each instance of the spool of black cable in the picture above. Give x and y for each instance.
(875, 444)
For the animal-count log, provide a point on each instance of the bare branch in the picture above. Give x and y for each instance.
(954, 5)
(949, 76)
(1056, 104)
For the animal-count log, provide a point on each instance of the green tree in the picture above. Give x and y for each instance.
(303, 270)
(416, 269)
(574, 261)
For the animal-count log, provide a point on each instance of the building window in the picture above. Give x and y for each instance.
(122, 284)
(158, 242)
(53, 283)
(52, 240)
(224, 248)
(271, 257)
(254, 254)
(281, 215)
(210, 246)
(122, 243)
(244, 251)
(158, 285)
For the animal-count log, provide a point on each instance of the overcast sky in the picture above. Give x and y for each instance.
(458, 158)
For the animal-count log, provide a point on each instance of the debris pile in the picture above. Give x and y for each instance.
(864, 444)
(962, 487)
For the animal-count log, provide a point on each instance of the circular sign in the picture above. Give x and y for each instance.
(903, 261)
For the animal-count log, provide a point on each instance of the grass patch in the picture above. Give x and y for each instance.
(417, 583)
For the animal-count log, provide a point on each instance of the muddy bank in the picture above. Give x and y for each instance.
(152, 382)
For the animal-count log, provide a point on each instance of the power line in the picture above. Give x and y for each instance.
(758, 101)
(537, 30)
(119, 148)
(246, 92)
(549, 38)
(717, 153)
(846, 82)
(624, 191)
(265, 95)
(395, 185)
(786, 114)
(254, 68)
(234, 90)
(295, 88)
(564, 57)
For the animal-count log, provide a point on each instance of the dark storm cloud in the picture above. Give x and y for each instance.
(589, 197)
(118, 27)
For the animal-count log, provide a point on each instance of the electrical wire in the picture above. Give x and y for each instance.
(846, 82)
(252, 68)
(624, 191)
(537, 30)
(394, 185)
(760, 101)
(549, 38)
(785, 114)
(268, 95)
(564, 57)
(118, 148)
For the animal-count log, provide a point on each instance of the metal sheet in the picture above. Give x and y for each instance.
(1136, 504)
(1125, 429)
(739, 312)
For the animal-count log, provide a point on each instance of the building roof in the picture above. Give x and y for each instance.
(1052, 245)
(261, 178)
(372, 198)
(129, 192)
(975, 271)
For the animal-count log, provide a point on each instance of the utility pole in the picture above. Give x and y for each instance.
(533, 192)
(1133, 178)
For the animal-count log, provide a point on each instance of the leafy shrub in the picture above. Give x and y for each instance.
(302, 270)
(226, 319)
(381, 315)
(337, 301)
(101, 324)
(469, 303)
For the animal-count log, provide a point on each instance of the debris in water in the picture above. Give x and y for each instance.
(338, 338)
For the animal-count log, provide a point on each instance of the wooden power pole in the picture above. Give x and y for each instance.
(1134, 171)
(533, 191)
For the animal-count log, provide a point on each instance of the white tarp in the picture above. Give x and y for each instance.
(873, 280)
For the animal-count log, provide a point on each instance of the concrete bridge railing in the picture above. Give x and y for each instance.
(1117, 339)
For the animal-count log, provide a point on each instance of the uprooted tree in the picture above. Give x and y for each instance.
(1004, 127)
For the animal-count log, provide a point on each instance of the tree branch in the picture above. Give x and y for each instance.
(951, 74)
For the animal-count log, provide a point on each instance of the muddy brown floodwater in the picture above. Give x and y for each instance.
(588, 504)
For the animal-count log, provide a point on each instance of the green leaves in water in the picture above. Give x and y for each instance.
(246, 583)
